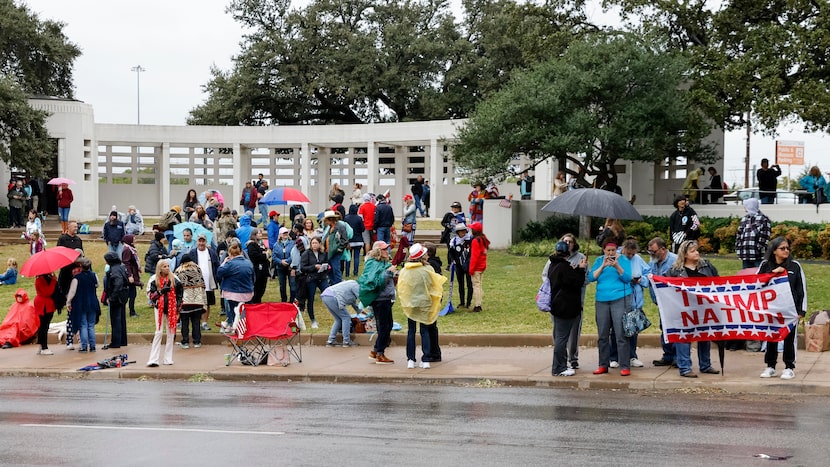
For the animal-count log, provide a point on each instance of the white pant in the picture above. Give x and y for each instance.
(155, 350)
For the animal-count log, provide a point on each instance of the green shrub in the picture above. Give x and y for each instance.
(4, 216)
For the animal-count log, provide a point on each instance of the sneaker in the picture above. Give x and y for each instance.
(70, 347)
(424, 365)
(46, 352)
(410, 364)
(574, 365)
(636, 363)
(82, 349)
(383, 360)
(185, 346)
(614, 364)
(768, 373)
(568, 372)
(373, 355)
(787, 374)
(196, 346)
(331, 344)
(350, 344)
(314, 325)
(205, 327)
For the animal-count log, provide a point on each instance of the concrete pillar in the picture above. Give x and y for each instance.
(436, 169)
(239, 177)
(372, 164)
(164, 168)
(305, 170)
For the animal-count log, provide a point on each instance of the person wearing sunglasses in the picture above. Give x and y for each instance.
(777, 261)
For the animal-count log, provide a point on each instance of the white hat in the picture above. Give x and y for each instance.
(283, 230)
(416, 251)
(460, 226)
(330, 214)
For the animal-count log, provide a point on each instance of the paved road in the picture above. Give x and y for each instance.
(84, 422)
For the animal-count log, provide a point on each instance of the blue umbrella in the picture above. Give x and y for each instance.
(194, 227)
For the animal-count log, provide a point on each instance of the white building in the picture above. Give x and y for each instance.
(154, 166)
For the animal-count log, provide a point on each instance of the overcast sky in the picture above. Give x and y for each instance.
(177, 42)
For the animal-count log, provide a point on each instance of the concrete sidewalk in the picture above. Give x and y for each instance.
(491, 360)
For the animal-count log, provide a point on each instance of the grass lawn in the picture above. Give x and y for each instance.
(510, 286)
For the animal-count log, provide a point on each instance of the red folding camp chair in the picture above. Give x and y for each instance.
(265, 330)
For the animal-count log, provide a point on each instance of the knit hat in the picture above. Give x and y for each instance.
(176, 208)
(114, 213)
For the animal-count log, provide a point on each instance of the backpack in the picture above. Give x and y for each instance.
(543, 298)
(168, 221)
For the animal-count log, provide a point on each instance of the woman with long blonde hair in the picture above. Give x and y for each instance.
(164, 290)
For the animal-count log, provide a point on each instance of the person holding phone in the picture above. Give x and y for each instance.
(612, 273)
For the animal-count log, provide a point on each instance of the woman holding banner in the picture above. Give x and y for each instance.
(690, 264)
(776, 261)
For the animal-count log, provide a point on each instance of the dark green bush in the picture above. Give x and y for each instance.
(4, 216)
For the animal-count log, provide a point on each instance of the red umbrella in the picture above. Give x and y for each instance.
(48, 261)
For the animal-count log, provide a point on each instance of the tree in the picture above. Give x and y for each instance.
(336, 61)
(764, 57)
(35, 59)
(607, 98)
(351, 61)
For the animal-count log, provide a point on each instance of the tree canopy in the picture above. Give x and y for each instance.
(767, 57)
(353, 61)
(35, 59)
(607, 98)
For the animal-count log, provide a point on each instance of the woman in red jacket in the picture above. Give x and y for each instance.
(65, 199)
(45, 308)
(478, 262)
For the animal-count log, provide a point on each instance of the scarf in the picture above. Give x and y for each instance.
(167, 302)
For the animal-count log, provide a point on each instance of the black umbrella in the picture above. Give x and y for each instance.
(593, 202)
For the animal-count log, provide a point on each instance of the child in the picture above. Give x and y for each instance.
(36, 242)
(33, 223)
(10, 276)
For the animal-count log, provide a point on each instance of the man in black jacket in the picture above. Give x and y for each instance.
(384, 218)
(418, 193)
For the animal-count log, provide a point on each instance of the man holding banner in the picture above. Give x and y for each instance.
(778, 261)
(758, 307)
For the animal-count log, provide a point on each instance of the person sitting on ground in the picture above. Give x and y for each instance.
(134, 223)
(10, 276)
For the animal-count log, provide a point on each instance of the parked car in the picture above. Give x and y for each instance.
(738, 197)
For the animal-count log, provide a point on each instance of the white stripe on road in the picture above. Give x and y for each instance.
(140, 428)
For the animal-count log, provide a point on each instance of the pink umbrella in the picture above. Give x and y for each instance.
(61, 181)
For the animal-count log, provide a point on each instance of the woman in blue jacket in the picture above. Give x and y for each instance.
(612, 273)
(236, 279)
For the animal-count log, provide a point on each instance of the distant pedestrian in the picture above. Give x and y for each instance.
(425, 198)
(525, 183)
(478, 263)
(65, 199)
(417, 190)
(767, 177)
(753, 235)
(83, 300)
(683, 223)
(476, 200)
(117, 290)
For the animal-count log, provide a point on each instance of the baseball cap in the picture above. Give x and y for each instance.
(380, 245)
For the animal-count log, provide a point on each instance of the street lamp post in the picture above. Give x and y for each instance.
(138, 69)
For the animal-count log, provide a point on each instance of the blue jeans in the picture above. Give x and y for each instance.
(355, 260)
(342, 320)
(263, 213)
(410, 340)
(669, 353)
(610, 314)
(117, 249)
(284, 276)
(168, 234)
(562, 329)
(336, 275)
(384, 234)
(230, 311)
(750, 263)
(418, 205)
(87, 329)
(684, 356)
(63, 213)
(768, 199)
(313, 285)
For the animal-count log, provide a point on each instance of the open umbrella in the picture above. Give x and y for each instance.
(593, 202)
(284, 195)
(49, 260)
(61, 181)
(178, 230)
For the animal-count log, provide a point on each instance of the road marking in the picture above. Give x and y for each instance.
(141, 428)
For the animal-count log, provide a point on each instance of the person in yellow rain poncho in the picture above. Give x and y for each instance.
(420, 290)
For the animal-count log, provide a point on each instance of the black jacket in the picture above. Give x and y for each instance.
(565, 288)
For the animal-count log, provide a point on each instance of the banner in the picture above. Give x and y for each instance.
(754, 307)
